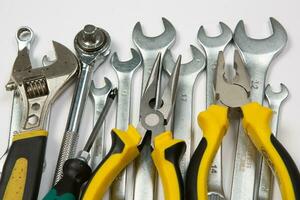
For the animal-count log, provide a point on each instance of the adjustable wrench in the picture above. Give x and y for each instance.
(98, 97)
(257, 54)
(92, 46)
(122, 187)
(149, 47)
(275, 99)
(183, 115)
(212, 47)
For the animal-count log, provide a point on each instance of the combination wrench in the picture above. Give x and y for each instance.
(92, 46)
(122, 187)
(149, 47)
(183, 117)
(98, 97)
(258, 55)
(275, 99)
(212, 46)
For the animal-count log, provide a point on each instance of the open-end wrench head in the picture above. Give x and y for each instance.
(96, 92)
(196, 65)
(271, 45)
(279, 96)
(127, 66)
(165, 39)
(219, 41)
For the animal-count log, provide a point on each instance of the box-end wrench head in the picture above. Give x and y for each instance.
(275, 99)
(257, 55)
(184, 100)
(212, 47)
(122, 187)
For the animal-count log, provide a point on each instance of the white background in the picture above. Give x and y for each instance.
(61, 20)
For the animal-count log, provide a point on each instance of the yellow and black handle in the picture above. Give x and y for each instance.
(214, 124)
(256, 122)
(166, 156)
(123, 151)
(21, 174)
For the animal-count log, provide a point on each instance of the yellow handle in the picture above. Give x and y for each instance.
(256, 123)
(166, 156)
(123, 151)
(214, 124)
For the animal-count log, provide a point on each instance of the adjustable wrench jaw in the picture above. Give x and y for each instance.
(40, 86)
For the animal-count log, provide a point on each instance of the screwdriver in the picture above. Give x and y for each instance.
(76, 171)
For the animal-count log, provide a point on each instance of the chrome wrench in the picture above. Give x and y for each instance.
(258, 55)
(149, 47)
(212, 47)
(275, 99)
(122, 187)
(183, 114)
(98, 97)
(92, 45)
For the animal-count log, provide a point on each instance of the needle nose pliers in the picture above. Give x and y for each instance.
(232, 97)
(155, 113)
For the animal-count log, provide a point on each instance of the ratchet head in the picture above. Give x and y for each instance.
(127, 66)
(92, 45)
(219, 42)
(166, 39)
(196, 65)
(267, 46)
(273, 96)
(232, 93)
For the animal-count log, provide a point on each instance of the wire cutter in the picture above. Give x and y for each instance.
(155, 113)
(232, 97)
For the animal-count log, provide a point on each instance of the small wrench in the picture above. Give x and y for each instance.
(98, 97)
(122, 187)
(275, 99)
(92, 45)
(212, 47)
(149, 47)
(183, 117)
(258, 55)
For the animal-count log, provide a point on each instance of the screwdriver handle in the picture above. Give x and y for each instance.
(75, 173)
(214, 124)
(22, 171)
(256, 122)
(166, 156)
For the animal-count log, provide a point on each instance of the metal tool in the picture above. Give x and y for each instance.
(233, 101)
(122, 187)
(275, 100)
(92, 46)
(35, 89)
(149, 47)
(257, 54)
(156, 110)
(98, 97)
(183, 114)
(212, 47)
(76, 170)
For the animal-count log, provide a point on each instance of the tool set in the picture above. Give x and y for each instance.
(154, 159)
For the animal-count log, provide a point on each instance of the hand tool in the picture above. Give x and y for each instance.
(149, 47)
(233, 101)
(37, 88)
(155, 116)
(212, 46)
(92, 45)
(275, 99)
(257, 54)
(183, 114)
(98, 97)
(125, 71)
(76, 171)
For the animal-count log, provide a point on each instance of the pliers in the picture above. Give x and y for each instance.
(232, 101)
(155, 113)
